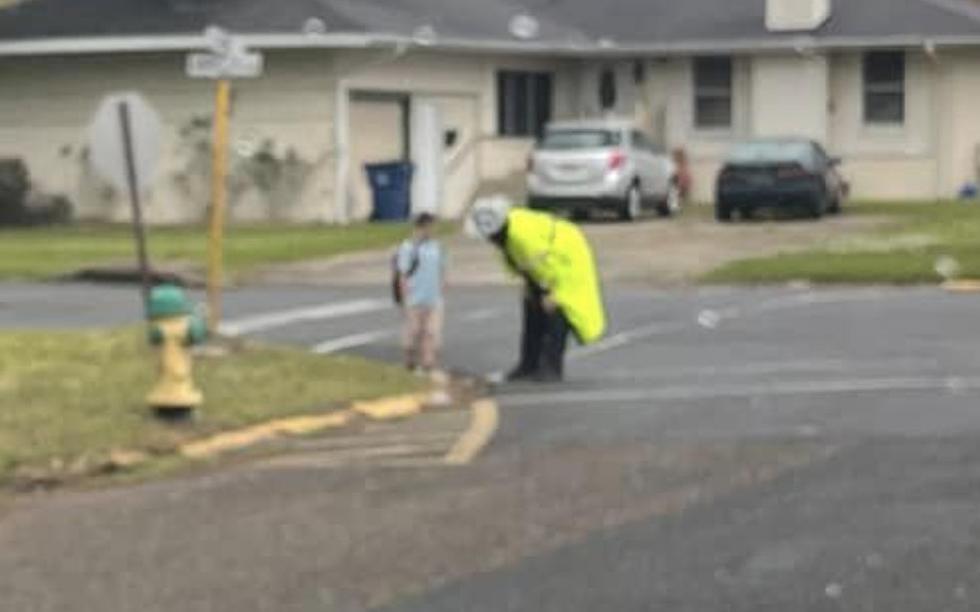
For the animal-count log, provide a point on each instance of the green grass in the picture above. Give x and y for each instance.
(903, 251)
(70, 397)
(32, 254)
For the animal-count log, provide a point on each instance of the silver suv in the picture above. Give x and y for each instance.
(610, 165)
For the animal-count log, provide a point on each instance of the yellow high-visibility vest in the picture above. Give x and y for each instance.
(555, 254)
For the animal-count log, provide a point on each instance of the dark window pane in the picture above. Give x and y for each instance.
(884, 67)
(520, 101)
(884, 108)
(884, 87)
(713, 112)
(565, 140)
(713, 92)
(523, 102)
(542, 106)
(713, 72)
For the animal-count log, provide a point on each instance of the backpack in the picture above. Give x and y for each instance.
(396, 274)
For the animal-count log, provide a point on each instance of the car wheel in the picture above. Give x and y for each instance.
(723, 213)
(835, 206)
(672, 203)
(633, 204)
(815, 209)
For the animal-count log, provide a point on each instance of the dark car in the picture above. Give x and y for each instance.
(784, 173)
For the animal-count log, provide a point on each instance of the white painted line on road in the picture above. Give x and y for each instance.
(775, 367)
(478, 316)
(283, 318)
(353, 341)
(827, 387)
(623, 338)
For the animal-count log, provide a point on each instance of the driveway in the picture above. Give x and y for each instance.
(658, 253)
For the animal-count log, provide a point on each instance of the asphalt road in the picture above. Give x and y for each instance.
(758, 449)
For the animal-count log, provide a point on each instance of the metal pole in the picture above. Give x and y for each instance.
(134, 196)
(219, 202)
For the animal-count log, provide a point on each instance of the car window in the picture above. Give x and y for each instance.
(640, 140)
(772, 151)
(565, 140)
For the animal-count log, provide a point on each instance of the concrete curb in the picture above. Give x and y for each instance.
(384, 409)
(483, 427)
(962, 286)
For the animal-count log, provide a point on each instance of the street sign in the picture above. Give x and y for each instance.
(124, 147)
(107, 143)
(229, 58)
(235, 65)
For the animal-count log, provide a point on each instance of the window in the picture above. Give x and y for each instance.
(566, 140)
(607, 89)
(643, 142)
(884, 87)
(523, 102)
(713, 92)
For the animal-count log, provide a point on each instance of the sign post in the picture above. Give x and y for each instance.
(124, 141)
(229, 58)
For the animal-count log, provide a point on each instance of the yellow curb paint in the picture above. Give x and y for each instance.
(236, 440)
(962, 286)
(483, 426)
(391, 408)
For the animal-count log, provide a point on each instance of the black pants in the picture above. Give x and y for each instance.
(544, 339)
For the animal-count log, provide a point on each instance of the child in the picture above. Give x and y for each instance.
(421, 267)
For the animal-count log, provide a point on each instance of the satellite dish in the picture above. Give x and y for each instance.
(425, 35)
(314, 26)
(218, 39)
(524, 26)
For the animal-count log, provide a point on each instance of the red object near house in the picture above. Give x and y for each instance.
(685, 181)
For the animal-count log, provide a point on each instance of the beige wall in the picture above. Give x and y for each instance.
(665, 106)
(961, 119)
(284, 115)
(931, 155)
(886, 161)
(789, 96)
(464, 85)
(292, 133)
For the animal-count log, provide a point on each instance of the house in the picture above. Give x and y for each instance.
(462, 87)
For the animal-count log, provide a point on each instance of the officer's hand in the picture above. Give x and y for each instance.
(549, 304)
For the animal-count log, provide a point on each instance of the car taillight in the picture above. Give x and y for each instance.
(794, 171)
(617, 159)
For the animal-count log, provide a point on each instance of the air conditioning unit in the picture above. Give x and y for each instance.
(796, 15)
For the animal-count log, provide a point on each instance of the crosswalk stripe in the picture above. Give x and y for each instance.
(353, 341)
(282, 318)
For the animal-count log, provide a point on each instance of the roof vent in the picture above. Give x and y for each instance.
(796, 15)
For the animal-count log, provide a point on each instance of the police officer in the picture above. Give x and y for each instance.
(562, 293)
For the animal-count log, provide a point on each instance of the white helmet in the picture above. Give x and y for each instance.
(488, 216)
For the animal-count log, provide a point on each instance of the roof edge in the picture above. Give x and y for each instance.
(187, 43)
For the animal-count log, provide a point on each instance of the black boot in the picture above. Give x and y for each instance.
(554, 342)
(532, 339)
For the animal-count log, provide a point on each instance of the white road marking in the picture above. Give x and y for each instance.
(283, 318)
(623, 338)
(775, 367)
(353, 341)
(711, 318)
(686, 393)
(484, 314)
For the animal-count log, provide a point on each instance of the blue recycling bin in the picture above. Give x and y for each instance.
(391, 186)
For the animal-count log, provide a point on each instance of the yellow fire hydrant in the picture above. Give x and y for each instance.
(174, 329)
